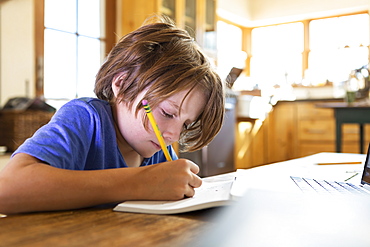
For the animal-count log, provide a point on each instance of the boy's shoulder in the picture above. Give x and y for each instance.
(86, 108)
(89, 101)
(86, 102)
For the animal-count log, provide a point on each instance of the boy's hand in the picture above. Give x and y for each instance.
(171, 180)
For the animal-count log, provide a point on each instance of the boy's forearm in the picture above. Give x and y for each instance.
(27, 185)
(40, 187)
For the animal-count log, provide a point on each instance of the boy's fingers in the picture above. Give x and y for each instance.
(190, 192)
(194, 168)
(195, 182)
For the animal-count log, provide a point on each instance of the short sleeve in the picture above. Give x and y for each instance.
(65, 141)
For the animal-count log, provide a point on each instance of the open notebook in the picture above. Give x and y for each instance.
(214, 192)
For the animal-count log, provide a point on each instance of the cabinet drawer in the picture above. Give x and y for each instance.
(308, 111)
(350, 147)
(367, 132)
(309, 148)
(324, 130)
(316, 130)
(350, 132)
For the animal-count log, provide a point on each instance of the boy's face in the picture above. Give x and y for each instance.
(170, 120)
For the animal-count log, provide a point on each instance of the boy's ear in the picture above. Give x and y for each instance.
(117, 82)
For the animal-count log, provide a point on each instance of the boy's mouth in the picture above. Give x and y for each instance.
(156, 145)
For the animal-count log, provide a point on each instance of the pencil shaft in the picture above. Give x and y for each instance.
(341, 163)
(354, 175)
(157, 132)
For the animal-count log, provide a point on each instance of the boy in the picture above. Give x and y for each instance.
(98, 151)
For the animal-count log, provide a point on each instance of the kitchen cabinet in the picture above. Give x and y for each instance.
(292, 130)
(316, 131)
(198, 17)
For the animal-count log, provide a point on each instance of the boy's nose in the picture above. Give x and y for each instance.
(172, 134)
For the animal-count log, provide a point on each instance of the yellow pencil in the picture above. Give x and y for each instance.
(156, 130)
(342, 163)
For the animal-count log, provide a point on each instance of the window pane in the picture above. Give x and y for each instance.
(354, 30)
(169, 8)
(59, 64)
(229, 43)
(280, 38)
(190, 17)
(338, 32)
(335, 65)
(88, 65)
(338, 46)
(323, 34)
(277, 55)
(61, 15)
(89, 18)
(72, 54)
(270, 71)
(210, 38)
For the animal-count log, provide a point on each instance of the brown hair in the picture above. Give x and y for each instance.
(165, 60)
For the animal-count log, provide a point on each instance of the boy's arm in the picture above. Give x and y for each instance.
(28, 185)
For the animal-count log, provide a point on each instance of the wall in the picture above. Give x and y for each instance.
(237, 11)
(16, 49)
(265, 11)
(252, 13)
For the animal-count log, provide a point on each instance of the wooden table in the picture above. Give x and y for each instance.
(103, 227)
(357, 112)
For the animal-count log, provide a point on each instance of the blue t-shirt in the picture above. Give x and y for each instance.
(81, 136)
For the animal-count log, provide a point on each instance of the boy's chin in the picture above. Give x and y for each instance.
(147, 155)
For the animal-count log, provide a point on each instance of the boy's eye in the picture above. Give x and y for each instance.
(167, 115)
(188, 125)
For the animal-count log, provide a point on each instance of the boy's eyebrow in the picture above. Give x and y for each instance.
(174, 104)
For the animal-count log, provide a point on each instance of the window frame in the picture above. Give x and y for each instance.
(306, 46)
(109, 38)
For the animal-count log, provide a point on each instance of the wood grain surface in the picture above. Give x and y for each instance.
(103, 227)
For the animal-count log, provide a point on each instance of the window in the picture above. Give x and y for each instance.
(73, 48)
(190, 17)
(277, 54)
(229, 44)
(338, 46)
